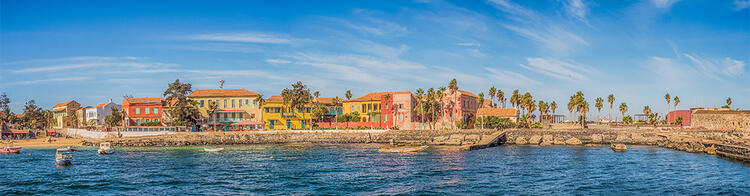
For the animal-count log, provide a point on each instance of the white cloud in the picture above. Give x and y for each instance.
(664, 3)
(716, 68)
(278, 61)
(576, 9)
(469, 44)
(262, 38)
(54, 80)
(566, 70)
(510, 78)
(741, 5)
(85, 63)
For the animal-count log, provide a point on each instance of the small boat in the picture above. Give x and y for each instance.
(619, 147)
(10, 150)
(403, 149)
(72, 148)
(213, 149)
(64, 157)
(106, 148)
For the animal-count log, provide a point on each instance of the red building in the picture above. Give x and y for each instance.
(398, 110)
(142, 110)
(685, 114)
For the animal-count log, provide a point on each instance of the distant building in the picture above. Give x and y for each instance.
(457, 106)
(509, 113)
(98, 113)
(368, 106)
(233, 106)
(141, 110)
(398, 111)
(331, 110)
(61, 112)
(684, 114)
(278, 116)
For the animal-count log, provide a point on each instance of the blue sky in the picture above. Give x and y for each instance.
(90, 51)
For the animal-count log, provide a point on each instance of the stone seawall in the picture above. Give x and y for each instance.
(395, 137)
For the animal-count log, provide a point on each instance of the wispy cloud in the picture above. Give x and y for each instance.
(717, 68)
(469, 44)
(510, 78)
(278, 61)
(741, 4)
(576, 9)
(254, 37)
(83, 63)
(566, 70)
(549, 33)
(53, 80)
(664, 3)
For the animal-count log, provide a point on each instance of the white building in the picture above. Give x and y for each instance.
(100, 112)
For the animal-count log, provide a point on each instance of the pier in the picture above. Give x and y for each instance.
(493, 140)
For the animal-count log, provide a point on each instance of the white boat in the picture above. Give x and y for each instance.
(64, 157)
(213, 149)
(106, 148)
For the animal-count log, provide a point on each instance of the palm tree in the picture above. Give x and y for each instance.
(729, 103)
(492, 95)
(611, 100)
(676, 102)
(584, 110)
(515, 98)
(212, 108)
(335, 103)
(571, 106)
(623, 109)
(316, 94)
(553, 107)
(430, 110)
(599, 104)
(668, 99)
(419, 94)
(500, 96)
(348, 94)
(543, 108)
(481, 100)
(647, 110)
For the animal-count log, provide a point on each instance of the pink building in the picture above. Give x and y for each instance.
(458, 105)
(685, 114)
(399, 112)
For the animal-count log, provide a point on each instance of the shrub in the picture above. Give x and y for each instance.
(151, 124)
(627, 119)
(492, 122)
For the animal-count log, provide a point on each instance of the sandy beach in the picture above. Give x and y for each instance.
(43, 143)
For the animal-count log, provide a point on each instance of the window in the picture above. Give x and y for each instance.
(240, 102)
(138, 111)
(148, 120)
(233, 114)
(277, 110)
(233, 103)
(225, 103)
(352, 108)
(201, 103)
(156, 110)
(266, 110)
(147, 110)
(156, 120)
(375, 107)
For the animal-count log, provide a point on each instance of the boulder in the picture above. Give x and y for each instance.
(520, 140)
(559, 140)
(597, 138)
(573, 141)
(619, 147)
(535, 139)
(547, 140)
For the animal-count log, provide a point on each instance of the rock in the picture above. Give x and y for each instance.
(573, 141)
(710, 150)
(619, 147)
(597, 138)
(455, 139)
(559, 141)
(623, 138)
(472, 139)
(520, 140)
(547, 140)
(535, 139)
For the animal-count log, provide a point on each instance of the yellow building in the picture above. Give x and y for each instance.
(233, 105)
(276, 115)
(367, 106)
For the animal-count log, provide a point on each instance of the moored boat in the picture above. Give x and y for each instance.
(106, 148)
(213, 149)
(10, 150)
(403, 149)
(63, 157)
(618, 147)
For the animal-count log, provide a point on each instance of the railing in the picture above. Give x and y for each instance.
(224, 120)
(146, 128)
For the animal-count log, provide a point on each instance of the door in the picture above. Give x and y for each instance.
(270, 123)
(302, 122)
(288, 124)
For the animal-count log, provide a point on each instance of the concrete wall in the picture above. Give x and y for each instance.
(83, 133)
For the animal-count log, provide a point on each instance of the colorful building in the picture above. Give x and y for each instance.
(142, 110)
(457, 106)
(233, 106)
(62, 112)
(97, 113)
(278, 116)
(368, 106)
(398, 111)
(509, 113)
(331, 110)
(684, 114)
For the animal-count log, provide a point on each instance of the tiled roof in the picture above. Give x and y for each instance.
(375, 96)
(63, 103)
(275, 98)
(222, 93)
(467, 93)
(102, 104)
(502, 112)
(325, 100)
(145, 100)
(18, 115)
(58, 109)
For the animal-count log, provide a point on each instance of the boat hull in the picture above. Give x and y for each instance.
(213, 149)
(64, 162)
(10, 150)
(106, 151)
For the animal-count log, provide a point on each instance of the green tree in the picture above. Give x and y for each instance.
(296, 97)
(5, 114)
(480, 99)
(647, 110)
(336, 102)
(676, 102)
(419, 95)
(623, 109)
(213, 107)
(34, 116)
(611, 100)
(500, 96)
(182, 110)
(348, 94)
(553, 107)
(492, 95)
(599, 104)
(113, 119)
(627, 119)
(729, 102)
(515, 99)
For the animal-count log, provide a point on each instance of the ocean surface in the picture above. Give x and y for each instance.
(359, 169)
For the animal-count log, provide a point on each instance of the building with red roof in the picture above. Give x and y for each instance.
(61, 112)
(233, 106)
(137, 111)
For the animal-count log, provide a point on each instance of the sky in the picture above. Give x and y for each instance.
(93, 51)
